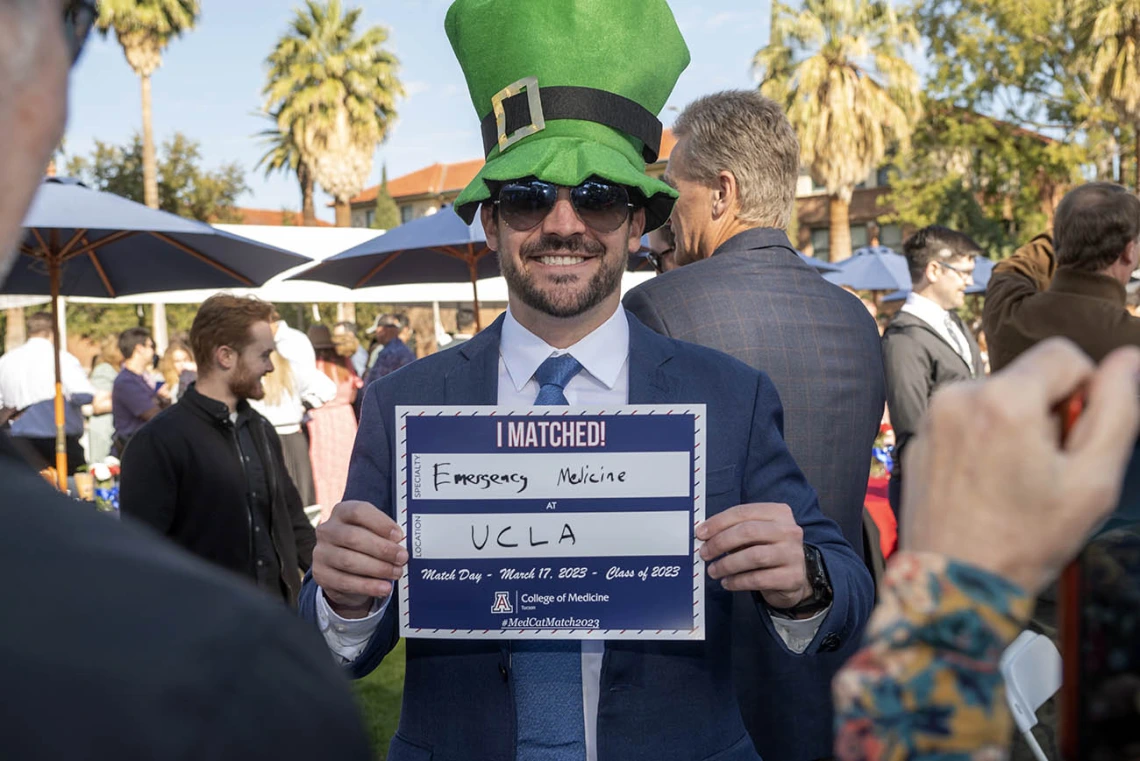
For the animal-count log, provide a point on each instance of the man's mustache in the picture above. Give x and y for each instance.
(557, 244)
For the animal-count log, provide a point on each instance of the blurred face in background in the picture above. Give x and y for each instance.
(345, 341)
(109, 352)
(83, 348)
(182, 361)
(144, 353)
(949, 280)
(388, 333)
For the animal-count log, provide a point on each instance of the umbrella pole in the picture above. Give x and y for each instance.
(475, 292)
(60, 433)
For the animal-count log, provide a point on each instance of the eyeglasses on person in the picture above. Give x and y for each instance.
(962, 272)
(602, 206)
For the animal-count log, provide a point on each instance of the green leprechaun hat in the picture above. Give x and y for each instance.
(569, 89)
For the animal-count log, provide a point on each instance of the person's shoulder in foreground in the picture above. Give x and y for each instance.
(995, 513)
(120, 645)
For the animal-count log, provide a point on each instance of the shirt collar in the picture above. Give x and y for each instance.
(602, 353)
(39, 341)
(925, 309)
(756, 238)
(218, 410)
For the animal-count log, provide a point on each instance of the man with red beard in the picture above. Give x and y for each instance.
(209, 473)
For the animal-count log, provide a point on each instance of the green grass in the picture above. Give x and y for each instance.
(379, 695)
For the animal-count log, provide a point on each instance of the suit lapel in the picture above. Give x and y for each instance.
(475, 377)
(649, 353)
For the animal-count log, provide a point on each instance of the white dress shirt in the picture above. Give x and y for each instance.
(27, 375)
(604, 381)
(939, 319)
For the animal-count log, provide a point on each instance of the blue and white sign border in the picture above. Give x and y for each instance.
(697, 632)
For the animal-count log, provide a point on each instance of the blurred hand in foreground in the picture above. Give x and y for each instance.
(989, 482)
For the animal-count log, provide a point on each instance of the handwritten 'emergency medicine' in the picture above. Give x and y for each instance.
(572, 476)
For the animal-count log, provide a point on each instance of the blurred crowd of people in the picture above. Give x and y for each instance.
(113, 385)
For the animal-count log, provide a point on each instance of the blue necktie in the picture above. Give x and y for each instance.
(552, 376)
(548, 673)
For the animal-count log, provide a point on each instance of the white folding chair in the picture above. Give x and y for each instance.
(1031, 667)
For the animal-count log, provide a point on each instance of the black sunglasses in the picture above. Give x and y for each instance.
(602, 206)
(78, 18)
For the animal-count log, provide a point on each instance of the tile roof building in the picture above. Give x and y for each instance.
(425, 191)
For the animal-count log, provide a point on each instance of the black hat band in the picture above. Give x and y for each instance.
(525, 115)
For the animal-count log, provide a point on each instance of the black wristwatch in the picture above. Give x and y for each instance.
(822, 593)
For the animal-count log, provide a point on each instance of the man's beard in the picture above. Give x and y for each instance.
(604, 282)
(246, 384)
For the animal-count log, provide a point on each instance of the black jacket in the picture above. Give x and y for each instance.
(183, 475)
(918, 361)
(118, 645)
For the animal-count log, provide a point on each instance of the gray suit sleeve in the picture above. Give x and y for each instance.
(908, 370)
(641, 305)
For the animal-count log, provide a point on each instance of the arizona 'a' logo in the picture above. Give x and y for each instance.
(502, 603)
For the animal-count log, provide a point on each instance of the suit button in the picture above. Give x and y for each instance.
(830, 643)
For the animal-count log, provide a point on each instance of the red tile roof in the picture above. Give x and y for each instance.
(273, 218)
(668, 143)
(438, 179)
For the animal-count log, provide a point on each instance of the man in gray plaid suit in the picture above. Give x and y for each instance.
(743, 289)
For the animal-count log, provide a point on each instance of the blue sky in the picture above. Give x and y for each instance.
(209, 86)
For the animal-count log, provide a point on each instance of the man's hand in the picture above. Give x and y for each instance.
(357, 557)
(763, 551)
(987, 480)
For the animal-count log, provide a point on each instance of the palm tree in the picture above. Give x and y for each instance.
(838, 67)
(283, 155)
(1107, 39)
(144, 28)
(335, 94)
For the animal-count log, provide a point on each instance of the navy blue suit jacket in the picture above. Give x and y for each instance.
(660, 701)
(756, 300)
